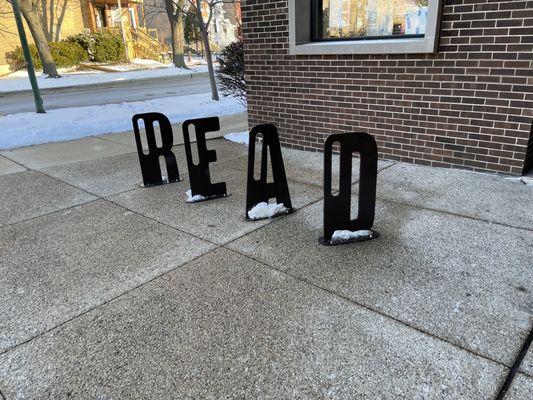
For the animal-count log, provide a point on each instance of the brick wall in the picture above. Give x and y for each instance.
(468, 106)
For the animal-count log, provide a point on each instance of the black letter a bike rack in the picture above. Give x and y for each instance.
(150, 167)
(199, 174)
(337, 207)
(261, 191)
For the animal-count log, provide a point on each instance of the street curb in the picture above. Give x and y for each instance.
(110, 84)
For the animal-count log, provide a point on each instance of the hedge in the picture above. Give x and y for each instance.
(65, 54)
(102, 46)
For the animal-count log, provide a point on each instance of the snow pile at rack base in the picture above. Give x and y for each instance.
(265, 210)
(25, 129)
(345, 236)
(240, 137)
(527, 180)
(195, 198)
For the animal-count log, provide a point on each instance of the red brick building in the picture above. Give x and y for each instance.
(446, 83)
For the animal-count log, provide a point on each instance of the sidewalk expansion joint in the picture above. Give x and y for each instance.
(369, 308)
(516, 366)
(49, 213)
(103, 304)
(455, 214)
(15, 162)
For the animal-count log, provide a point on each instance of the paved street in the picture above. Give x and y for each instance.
(112, 93)
(114, 291)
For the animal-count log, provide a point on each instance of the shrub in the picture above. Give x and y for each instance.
(65, 54)
(230, 72)
(108, 47)
(102, 46)
(85, 39)
(15, 58)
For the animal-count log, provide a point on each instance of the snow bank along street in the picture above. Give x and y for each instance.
(25, 129)
(19, 81)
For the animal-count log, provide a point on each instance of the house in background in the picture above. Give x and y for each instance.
(68, 17)
(225, 25)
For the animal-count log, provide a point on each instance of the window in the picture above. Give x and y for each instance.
(101, 21)
(115, 16)
(133, 20)
(369, 19)
(364, 26)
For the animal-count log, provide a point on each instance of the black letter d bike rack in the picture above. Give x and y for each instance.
(337, 207)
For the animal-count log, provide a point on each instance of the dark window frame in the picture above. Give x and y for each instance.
(317, 29)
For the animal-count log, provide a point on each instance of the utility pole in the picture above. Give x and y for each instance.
(119, 5)
(27, 56)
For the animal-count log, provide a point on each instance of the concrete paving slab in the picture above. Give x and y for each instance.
(52, 154)
(103, 177)
(469, 282)
(9, 167)
(58, 266)
(220, 220)
(489, 197)
(228, 124)
(308, 167)
(29, 194)
(521, 388)
(117, 174)
(225, 326)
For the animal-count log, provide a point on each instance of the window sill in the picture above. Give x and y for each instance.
(300, 36)
(381, 46)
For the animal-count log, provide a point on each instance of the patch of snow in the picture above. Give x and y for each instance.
(265, 210)
(23, 74)
(137, 64)
(142, 61)
(194, 199)
(19, 81)
(527, 180)
(344, 236)
(240, 137)
(29, 128)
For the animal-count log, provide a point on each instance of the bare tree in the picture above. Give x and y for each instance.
(175, 13)
(6, 12)
(174, 9)
(204, 23)
(205, 11)
(204, 32)
(31, 12)
(52, 14)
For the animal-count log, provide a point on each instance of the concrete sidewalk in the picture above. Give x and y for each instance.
(114, 291)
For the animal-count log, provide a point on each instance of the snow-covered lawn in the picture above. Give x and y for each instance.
(25, 129)
(18, 81)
